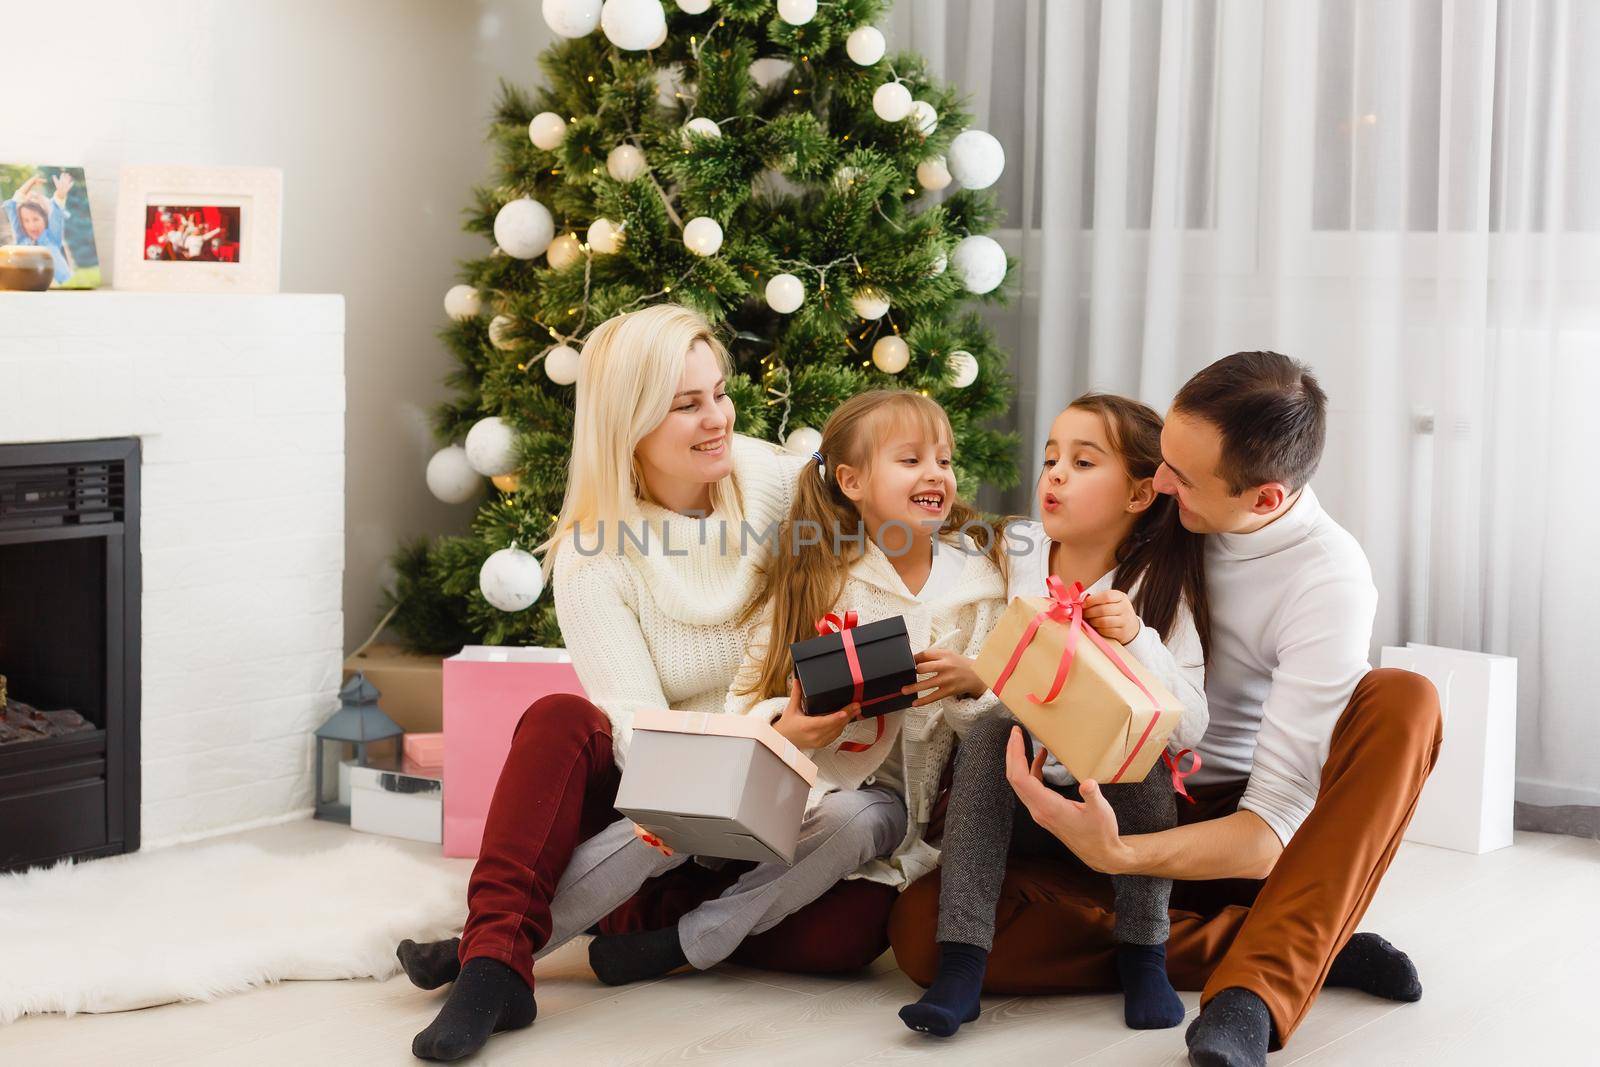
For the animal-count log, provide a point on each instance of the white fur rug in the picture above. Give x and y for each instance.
(196, 923)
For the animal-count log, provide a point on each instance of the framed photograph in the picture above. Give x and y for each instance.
(46, 235)
(200, 229)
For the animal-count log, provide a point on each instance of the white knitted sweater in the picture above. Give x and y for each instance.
(958, 619)
(658, 627)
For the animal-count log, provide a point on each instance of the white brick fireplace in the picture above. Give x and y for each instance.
(238, 402)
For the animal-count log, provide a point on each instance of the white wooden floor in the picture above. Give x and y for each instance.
(1508, 945)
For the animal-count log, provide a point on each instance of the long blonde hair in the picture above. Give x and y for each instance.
(803, 581)
(627, 376)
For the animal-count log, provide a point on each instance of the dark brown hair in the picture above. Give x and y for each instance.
(1271, 413)
(1166, 560)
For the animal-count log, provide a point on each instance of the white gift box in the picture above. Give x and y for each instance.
(1467, 804)
(408, 803)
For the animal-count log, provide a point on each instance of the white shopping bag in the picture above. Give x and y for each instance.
(1468, 801)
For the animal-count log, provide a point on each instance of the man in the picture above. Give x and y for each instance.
(1312, 764)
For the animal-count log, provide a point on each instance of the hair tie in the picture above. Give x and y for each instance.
(822, 465)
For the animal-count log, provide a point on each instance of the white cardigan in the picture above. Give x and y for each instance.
(658, 627)
(959, 618)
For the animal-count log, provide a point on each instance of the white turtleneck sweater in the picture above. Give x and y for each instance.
(658, 627)
(1292, 606)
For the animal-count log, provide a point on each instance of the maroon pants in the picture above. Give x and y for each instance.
(555, 791)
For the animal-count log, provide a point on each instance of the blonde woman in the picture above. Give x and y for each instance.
(649, 594)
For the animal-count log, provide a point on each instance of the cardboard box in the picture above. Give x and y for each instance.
(427, 749)
(1100, 725)
(486, 690)
(411, 685)
(883, 659)
(405, 803)
(716, 785)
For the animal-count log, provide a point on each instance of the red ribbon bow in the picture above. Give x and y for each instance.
(834, 623)
(1066, 607)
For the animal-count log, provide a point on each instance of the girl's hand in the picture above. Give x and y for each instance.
(812, 731)
(948, 674)
(1112, 614)
(651, 839)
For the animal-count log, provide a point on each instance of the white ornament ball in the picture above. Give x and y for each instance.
(605, 237)
(564, 251)
(870, 304)
(461, 303)
(547, 130)
(924, 117)
(492, 447)
(661, 38)
(892, 102)
(961, 369)
(891, 354)
(632, 25)
(450, 477)
(797, 12)
(523, 228)
(694, 7)
(980, 262)
(976, 159)
(769, 71)
(511, 579)
(932, 174)
(702, 235)
(500, 333)
(561, 364)
(702, 127)
(865, 45)
(785, 293)
(572, 18)
(803, 440)
(625, 163)
(940, 264)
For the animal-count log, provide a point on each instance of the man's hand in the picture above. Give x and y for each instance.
(813, 731)
(947, 674)
(1088, 828)
(1112, 614)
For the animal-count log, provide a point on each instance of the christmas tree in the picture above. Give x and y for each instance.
(764, 163)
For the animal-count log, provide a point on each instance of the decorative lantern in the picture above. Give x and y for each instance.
(359, 725)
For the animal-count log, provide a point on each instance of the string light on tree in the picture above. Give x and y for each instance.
(980, 262)
(461, 303)
(572, 18)
(961, 369)
(865, 45)
(511, 579)
(492, 447)
(702, 127)
(976, 159)
(626, 163)
(803, 440)
(891, 102)
(561, 364)
(450, 477)
(547, 130)
(797, 12)
(633, 25)
(507, 483)
(702, 235)
(694, 7)
(785, 293)
(924, 117)
(932, 174)
(500, 333)
(605, 237)
(870, 304)
(564, 251)
(891, 354)
(523, 228)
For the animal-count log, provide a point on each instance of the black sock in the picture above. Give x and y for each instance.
(1148, 1000)
(618, 959)
(1369, 963)
(430, 964)
(487, 998)
(952, 999)
(1233, 1030)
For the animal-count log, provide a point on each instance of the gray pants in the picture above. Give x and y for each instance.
(845, 830)
(985, 822)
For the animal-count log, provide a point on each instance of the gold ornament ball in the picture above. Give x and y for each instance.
(891, 354)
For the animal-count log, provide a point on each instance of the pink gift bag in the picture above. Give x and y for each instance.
(486, 690)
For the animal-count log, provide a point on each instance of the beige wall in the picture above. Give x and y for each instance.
(375, 110)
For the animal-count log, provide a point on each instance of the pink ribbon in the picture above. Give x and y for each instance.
(833, 623)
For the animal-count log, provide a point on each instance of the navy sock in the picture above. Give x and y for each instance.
(1233, 1030)
(618, 959)
(1369, 963)
(952, 999)
(488, 997)
(1148, 1000)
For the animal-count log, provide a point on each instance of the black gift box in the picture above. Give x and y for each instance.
(887, 666)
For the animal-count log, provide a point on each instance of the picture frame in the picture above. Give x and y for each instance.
(46, 229)
(199, 229)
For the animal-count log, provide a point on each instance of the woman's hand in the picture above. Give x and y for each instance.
(651, 839)
(1112, 614)
(812, 731)
(948, 674)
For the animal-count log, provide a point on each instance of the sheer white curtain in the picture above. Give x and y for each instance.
(1405, 195)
